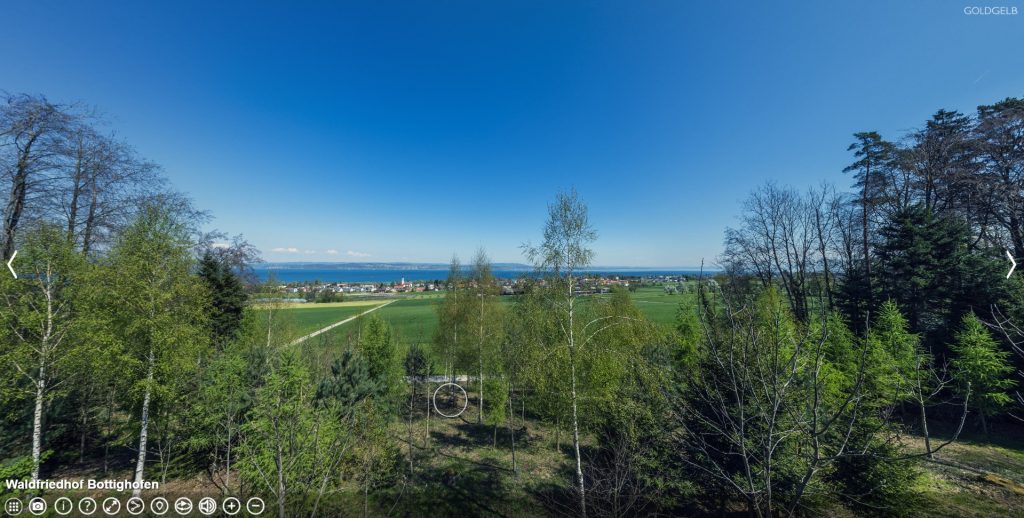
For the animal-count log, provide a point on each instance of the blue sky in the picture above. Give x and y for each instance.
(389, 131)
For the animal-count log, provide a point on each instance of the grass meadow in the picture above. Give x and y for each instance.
(306, 318)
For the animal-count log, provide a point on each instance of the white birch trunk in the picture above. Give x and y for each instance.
(140, 464)
(480, 359)
(575, 417)
(37, 422)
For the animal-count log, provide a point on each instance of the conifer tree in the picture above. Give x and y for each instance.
(227, 297)
(982, 369)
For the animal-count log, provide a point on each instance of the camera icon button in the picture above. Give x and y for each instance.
(37, 506)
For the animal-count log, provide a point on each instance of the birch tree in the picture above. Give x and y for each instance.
(40, 317)
(484, 321)
(451, 319)
(564, 252)
(156, 309)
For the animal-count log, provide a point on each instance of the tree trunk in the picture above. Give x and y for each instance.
(822, 249)
(575, 413)
(81, 438)
(864, 222)
(227, 460)
(90, 220)
(140, 464)
(512, 433)
(16, 200)
(282, 489)
(924, 427)
(366, 490)
(558, 433)
(106, 431)
(37, 422)
(76, 190)
(576, 446)
(480, 360)
(455, 345)
(411, 396)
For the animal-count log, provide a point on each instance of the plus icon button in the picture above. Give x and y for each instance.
(231, 506)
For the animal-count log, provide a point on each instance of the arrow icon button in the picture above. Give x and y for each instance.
(11, 260)
(1014, 263)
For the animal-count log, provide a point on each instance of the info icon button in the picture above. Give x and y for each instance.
(63, 506)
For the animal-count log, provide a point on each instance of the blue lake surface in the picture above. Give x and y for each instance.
(287, 275)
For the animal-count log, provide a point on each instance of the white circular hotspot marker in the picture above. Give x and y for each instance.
(465, 403)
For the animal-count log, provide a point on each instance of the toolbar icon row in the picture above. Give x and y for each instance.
(134, 506)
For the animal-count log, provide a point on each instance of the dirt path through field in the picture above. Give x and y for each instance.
(336, 324)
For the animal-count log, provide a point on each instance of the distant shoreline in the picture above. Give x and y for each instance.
(506, 267)
(307, 273)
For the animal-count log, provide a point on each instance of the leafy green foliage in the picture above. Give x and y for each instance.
(287, 437)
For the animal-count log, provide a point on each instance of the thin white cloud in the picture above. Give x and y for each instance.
(283, 250)
(332, 252)
(351, 253)
(307, 252)
(220, 245)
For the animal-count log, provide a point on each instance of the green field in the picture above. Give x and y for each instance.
(307, 318)
(414, 318)
(659, 306)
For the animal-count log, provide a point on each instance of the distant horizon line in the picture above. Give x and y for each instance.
(495, 265)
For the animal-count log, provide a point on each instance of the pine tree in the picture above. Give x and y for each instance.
(982, 369)
(920, 260)
(899, 348)
(377, 345)
(227, 298)
(348, 384)
(875, 157)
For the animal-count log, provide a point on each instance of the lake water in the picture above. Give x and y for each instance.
(287, 275)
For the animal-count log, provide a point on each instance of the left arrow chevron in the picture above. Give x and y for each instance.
(11, 268)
